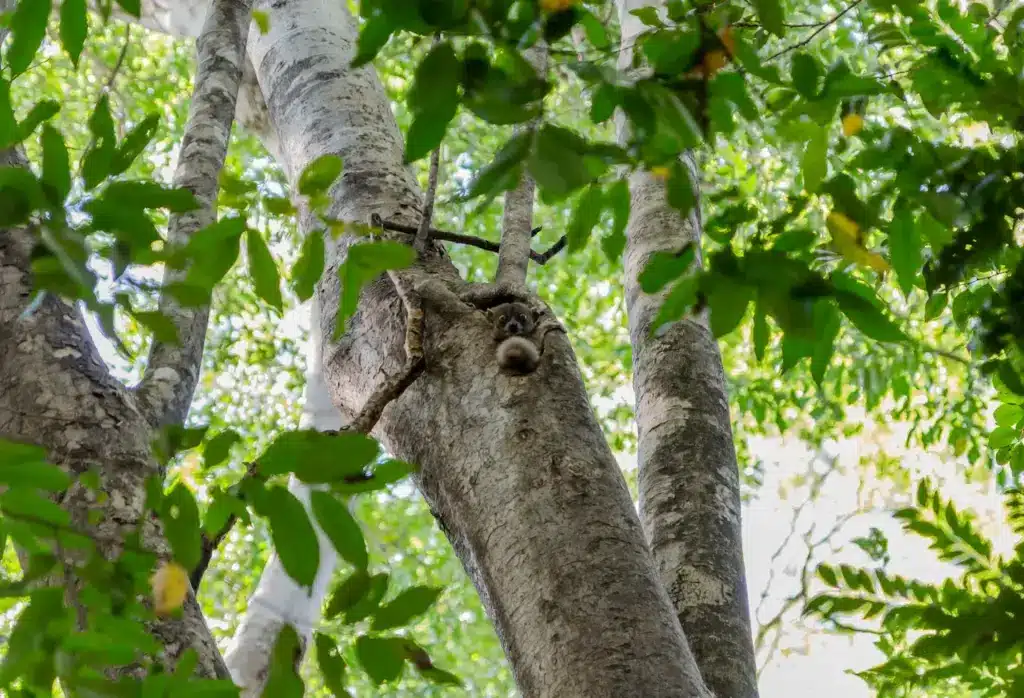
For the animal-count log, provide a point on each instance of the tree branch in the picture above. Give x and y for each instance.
(517, 218)
(478, 242)
(423, 232)
(165, 391)
(810, 37)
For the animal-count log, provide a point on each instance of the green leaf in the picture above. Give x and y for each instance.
(558, 162)
(21, 194)
(868, 318)
(56, 164)
(132, 7)
(97, 160)
(331, 663)
(143, 194)
(504, 171)
(40, 112)
(9, 131)
(294, 538)
(370, 601)
(316, 457)
(180, 517)
(347, 594)
(28, 27)
(320, 174)
(74, 25)
(440, 676)
(649, 16)
(771, 16)
(134, 143)
(283, 680)
(761, 332)
(935, 305)
(339, 526)
(815, 160)
(265, 279)
(364, 263)
(407, 605)
(617, 199)
(595, 31)
(586, 214)
(1003, 436)
(828, 575)
(433, 99)
(40, 475)
(805, 75)
(1006, 415)
(310, 265)
(665, 267)
(25, 503)
(680, 190)
(905, 249)
(262, 20)
(16, 453)
(217, 449)
(827, 322)
(381, 657)
(728, 303)
(372, 38)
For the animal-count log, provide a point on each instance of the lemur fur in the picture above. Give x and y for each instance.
(514, 323)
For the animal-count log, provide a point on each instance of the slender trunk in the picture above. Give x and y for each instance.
(688, 477)
(278, 599)
(516, 469)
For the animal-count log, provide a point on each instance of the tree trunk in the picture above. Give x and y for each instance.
(56, 392)
(516, 469)
(688, 477)
(278, 599)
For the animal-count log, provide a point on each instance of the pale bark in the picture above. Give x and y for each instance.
(278, 600)
(56, 392)
(517, 214)
(688, 476)
(172, 372)
(516, 469)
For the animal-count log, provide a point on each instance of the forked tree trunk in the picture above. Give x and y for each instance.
(56, 392)
(516, 469)
(688, 477)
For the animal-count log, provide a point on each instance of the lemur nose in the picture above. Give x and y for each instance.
(514, 327)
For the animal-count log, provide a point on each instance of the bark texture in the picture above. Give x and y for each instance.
(688, 476)
(173, 369)
(56, 392)
(515, 468)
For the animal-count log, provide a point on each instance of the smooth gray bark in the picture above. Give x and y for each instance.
(688, 476)
(515, 468)
(517, 215)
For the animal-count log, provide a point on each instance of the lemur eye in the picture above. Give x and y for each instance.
(502, 319)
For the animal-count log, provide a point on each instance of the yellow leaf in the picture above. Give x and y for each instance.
(170, 587)
(852, 124)
(842, 226)
(727, 40)
(847, 241)
(714, 61)
(661, 172)
(262, 20)
(552, 6)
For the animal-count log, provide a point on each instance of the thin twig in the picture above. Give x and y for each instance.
(423, 231)
(817, 31)
(473, 241)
